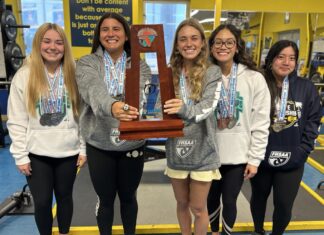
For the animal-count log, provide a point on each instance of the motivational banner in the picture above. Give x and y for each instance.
(84, 15)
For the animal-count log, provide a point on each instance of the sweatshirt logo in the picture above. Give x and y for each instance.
(114, 137)
(278, 158)
(185, 147)
(293, 113)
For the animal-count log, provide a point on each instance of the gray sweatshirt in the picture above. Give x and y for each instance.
(98, 126)
(197, 150)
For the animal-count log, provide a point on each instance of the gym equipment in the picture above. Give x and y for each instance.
(17, 203)
(316, 72)
(320, 185)
(12, 52)
(320, 189)
(13, 56)
(9, 25)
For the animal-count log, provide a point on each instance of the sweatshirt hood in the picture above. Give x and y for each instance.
(241, 68)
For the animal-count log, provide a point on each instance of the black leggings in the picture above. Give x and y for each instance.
(48, 175)
(285, 186)
(114, 172)
(229, 188)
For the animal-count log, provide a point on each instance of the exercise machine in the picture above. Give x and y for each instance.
(18, 203)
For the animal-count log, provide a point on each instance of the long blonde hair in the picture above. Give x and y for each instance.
(37, 83)
(197, 72)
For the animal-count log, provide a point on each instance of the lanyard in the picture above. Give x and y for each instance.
(115, 74)
(54, 102)
(227, 99)
(284, 97)
(184, 89)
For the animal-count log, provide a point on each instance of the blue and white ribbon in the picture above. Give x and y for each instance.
(54, 102)
(284, 98)
(228, 97)
(184, 89)
(115, 74)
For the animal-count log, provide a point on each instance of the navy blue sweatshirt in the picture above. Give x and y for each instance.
(289, 148)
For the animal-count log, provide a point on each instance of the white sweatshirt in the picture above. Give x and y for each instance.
(246, 142)
(29, 136)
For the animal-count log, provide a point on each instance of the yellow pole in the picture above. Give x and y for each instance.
(137, 11)
(218, 12)
(308, 38)
(259, 47)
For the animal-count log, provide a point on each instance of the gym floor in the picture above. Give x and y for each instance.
(154, 194)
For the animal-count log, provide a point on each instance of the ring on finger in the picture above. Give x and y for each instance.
(126, 107)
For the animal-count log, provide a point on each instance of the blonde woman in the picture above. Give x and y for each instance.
(43, 108)
(192, 160)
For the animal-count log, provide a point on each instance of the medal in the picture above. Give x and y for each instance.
(226, 105)
(278, 126)
(51, 119)
(53, 107)
(232, 122)
(222, 123)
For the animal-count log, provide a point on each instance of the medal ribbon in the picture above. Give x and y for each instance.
(284, 97)
(53, 103)
(115, 74)
(184, 89)
(227, 99)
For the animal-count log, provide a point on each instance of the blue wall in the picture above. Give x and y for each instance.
(3, 101)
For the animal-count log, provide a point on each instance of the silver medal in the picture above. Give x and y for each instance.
(231, 123)
(51, 119)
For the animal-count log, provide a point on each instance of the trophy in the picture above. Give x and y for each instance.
(146, 39)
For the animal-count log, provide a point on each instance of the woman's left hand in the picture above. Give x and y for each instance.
(173, 106)
(250, 171)
(82, 159)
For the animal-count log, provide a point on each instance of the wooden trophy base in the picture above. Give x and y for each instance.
(135, 130)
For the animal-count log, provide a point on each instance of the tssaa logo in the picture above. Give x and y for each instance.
(114, 137)
(278, 158)
(185, 147)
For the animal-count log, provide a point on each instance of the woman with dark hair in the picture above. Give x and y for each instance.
(242, 123)
(115, 165)
(295, 118)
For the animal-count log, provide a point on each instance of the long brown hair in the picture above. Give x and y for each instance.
(37, 83)
(197, 72)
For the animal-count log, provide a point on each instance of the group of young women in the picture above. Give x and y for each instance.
(235, 126)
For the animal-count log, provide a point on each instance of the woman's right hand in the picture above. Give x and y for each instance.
(124, 112)
(25, 169)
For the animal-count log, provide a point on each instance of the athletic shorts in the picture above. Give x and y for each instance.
(205, 176)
